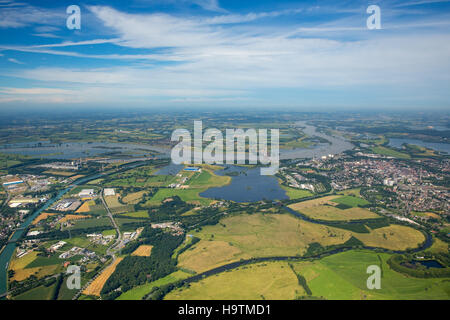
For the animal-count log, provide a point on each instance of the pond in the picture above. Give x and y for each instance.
(429, 263)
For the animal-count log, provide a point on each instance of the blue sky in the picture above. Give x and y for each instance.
(309, 55)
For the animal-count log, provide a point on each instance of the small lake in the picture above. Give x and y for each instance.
(247, 185)
(437, 146)
(430, 263)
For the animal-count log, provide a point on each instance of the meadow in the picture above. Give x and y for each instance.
(266, 235)
(197, 183)
(187, 195)
(139, 292)
(271, 281)
(293, 193)
(341, 276)
(328, 208)
(390, 152)
(38, 293)
(258, 235)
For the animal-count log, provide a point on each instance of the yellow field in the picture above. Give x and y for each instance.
(60, 173)
(331, 213)
(78, 176)
(271, 280)
(393, 237)
(84, 208)
(324, 209)
(96, 286)
(42, 216)
(133, 198)
(209, 255)
(257, 235)
(143, 251)
(113, 201)
(438, 246)
(20, 273)
(39, 272)
(312, 203)
(266, 235)
(73, 217)
(21, 263)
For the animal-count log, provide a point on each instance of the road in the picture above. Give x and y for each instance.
(6, 201)
(118, 244)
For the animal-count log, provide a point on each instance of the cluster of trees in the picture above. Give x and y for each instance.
(170, 209)
(301, 281)
(136, 270)
(31, 282)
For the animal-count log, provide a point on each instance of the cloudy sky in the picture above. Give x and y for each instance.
(308, 55)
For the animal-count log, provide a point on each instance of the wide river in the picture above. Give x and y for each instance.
(337, 145)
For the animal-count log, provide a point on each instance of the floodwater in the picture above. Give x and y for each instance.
(247, 186)
(337, 145)
(74, 150)
(437, 146)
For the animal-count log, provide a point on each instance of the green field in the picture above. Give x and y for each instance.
(138, 292)
(272, 281)
(343, 276)
(44, 261)
(339, 276)
(111, 232)
(390, 152)
(258, 235)
(90, 223)
(38, 293)
(351, 201)
(293, 193)
(137, 214)
(187, 195)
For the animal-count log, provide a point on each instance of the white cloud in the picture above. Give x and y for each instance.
(18, 16)
(220, 62)
(15, 61)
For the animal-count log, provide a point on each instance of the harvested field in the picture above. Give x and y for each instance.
(84, 208)
(42, 216)
(96, 286)
(143, 251)
(73, 217)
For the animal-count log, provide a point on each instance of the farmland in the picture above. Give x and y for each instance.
(258, 235)
(393, 237)
(263, 235)
(96, 286)
(272, 281)
(187, 195)
(139, 292)
(343, 276)
(143, 251)
(293, 193)
(339, 276)
(334, 208)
